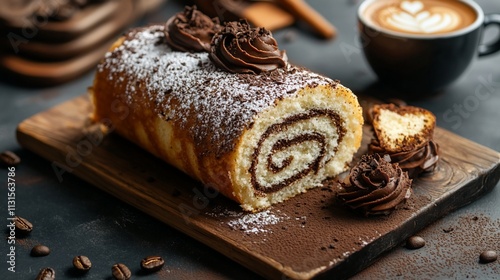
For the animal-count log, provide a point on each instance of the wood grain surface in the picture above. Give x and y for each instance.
(308, 236)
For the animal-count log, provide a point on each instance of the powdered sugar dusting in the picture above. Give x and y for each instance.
(187, 87)
(250, 223)
(255, 222)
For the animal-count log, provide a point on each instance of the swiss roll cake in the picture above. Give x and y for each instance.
(222, 104)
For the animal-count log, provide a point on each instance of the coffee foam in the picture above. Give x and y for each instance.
(420, 17)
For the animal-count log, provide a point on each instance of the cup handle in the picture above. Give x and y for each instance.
(486, 49)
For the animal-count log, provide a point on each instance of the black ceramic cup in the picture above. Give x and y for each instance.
(418, 64)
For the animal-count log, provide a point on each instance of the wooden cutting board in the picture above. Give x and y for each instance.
(309, 236)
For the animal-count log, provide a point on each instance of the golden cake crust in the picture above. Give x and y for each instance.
(207, 122)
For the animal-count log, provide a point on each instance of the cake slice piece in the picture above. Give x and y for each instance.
(405, 133)
(402, 128)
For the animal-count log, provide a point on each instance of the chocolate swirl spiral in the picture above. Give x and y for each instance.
(375, 186)
(275, 157)
(191, 30)
(415, 162)
(238, 48)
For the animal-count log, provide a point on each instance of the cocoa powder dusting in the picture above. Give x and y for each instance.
(310, 230)
(471, 235)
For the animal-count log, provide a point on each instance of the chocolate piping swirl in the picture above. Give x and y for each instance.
(415, 162)
(375, 186)
(191, 30)
(238, 48)
(283, 144)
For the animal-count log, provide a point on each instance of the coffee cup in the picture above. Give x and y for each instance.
(420, 47)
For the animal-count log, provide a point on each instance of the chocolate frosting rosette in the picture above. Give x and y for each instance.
(191, 30)
(375, 186)
(420, 160)
(238, 48)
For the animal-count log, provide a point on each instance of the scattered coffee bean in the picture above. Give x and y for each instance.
(152, 263)
(40, 251)
(23, 226)
(415, 242)
(120, 272)
(8, 158)
(488, 256)
(46, 274)
(82, 263)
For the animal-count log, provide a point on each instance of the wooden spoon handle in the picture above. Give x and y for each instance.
(304, 12)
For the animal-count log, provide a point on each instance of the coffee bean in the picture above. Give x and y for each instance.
(8, 158)
(415, 242)
(23, 226)
(152, 263)
(82, 263)
(46, 274)
(121, 271)
(40, 251)
(488, 256)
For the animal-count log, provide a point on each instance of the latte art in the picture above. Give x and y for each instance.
(411, 17)
(421, 17)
